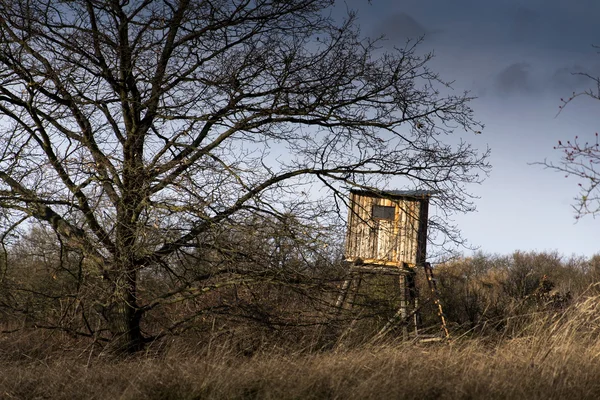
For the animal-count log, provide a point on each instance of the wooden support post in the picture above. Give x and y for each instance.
(339, 304)
(348, 291)
(403, 305)
(416, 316)
(354, 287)
(413, 295)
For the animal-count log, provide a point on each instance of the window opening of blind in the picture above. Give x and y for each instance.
(384, 212)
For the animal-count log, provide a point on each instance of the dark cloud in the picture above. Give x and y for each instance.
(535, 79)
(399, 27)
(515, 78)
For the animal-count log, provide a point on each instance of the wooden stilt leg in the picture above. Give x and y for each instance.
(348, 292)
(403, 304)
(354, 287)
(343, 293)
(412, 300)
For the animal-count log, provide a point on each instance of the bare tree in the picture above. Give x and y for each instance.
(137, 129)
(581, 160)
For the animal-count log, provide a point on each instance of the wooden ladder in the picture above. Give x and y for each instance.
(432, 283)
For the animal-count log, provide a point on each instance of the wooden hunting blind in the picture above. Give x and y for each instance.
(387, 228)
(387, 234)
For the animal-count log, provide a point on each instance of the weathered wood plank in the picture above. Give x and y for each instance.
(386, 240)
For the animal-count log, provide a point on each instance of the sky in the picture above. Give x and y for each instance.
(517, 57)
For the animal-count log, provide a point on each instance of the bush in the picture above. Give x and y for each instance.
(491, 291)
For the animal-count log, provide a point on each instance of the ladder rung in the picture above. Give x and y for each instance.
(433, 286)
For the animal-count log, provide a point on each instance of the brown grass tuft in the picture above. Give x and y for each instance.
(515, 368)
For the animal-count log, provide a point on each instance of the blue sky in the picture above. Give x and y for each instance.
(518, 58)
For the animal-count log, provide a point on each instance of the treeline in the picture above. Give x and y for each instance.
(276, 287)
(249, 283)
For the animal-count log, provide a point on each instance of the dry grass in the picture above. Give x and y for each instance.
(470, 369)
(556, 357)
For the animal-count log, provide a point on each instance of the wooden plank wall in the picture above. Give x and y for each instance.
(386, 242)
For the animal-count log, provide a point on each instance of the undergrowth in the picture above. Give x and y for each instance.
(554, 356)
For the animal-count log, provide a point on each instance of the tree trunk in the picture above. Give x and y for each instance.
(124, 315)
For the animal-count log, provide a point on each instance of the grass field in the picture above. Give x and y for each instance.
(556, 356)
(509, 341)
(465, 370)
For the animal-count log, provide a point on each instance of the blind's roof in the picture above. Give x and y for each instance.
(395, 193)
